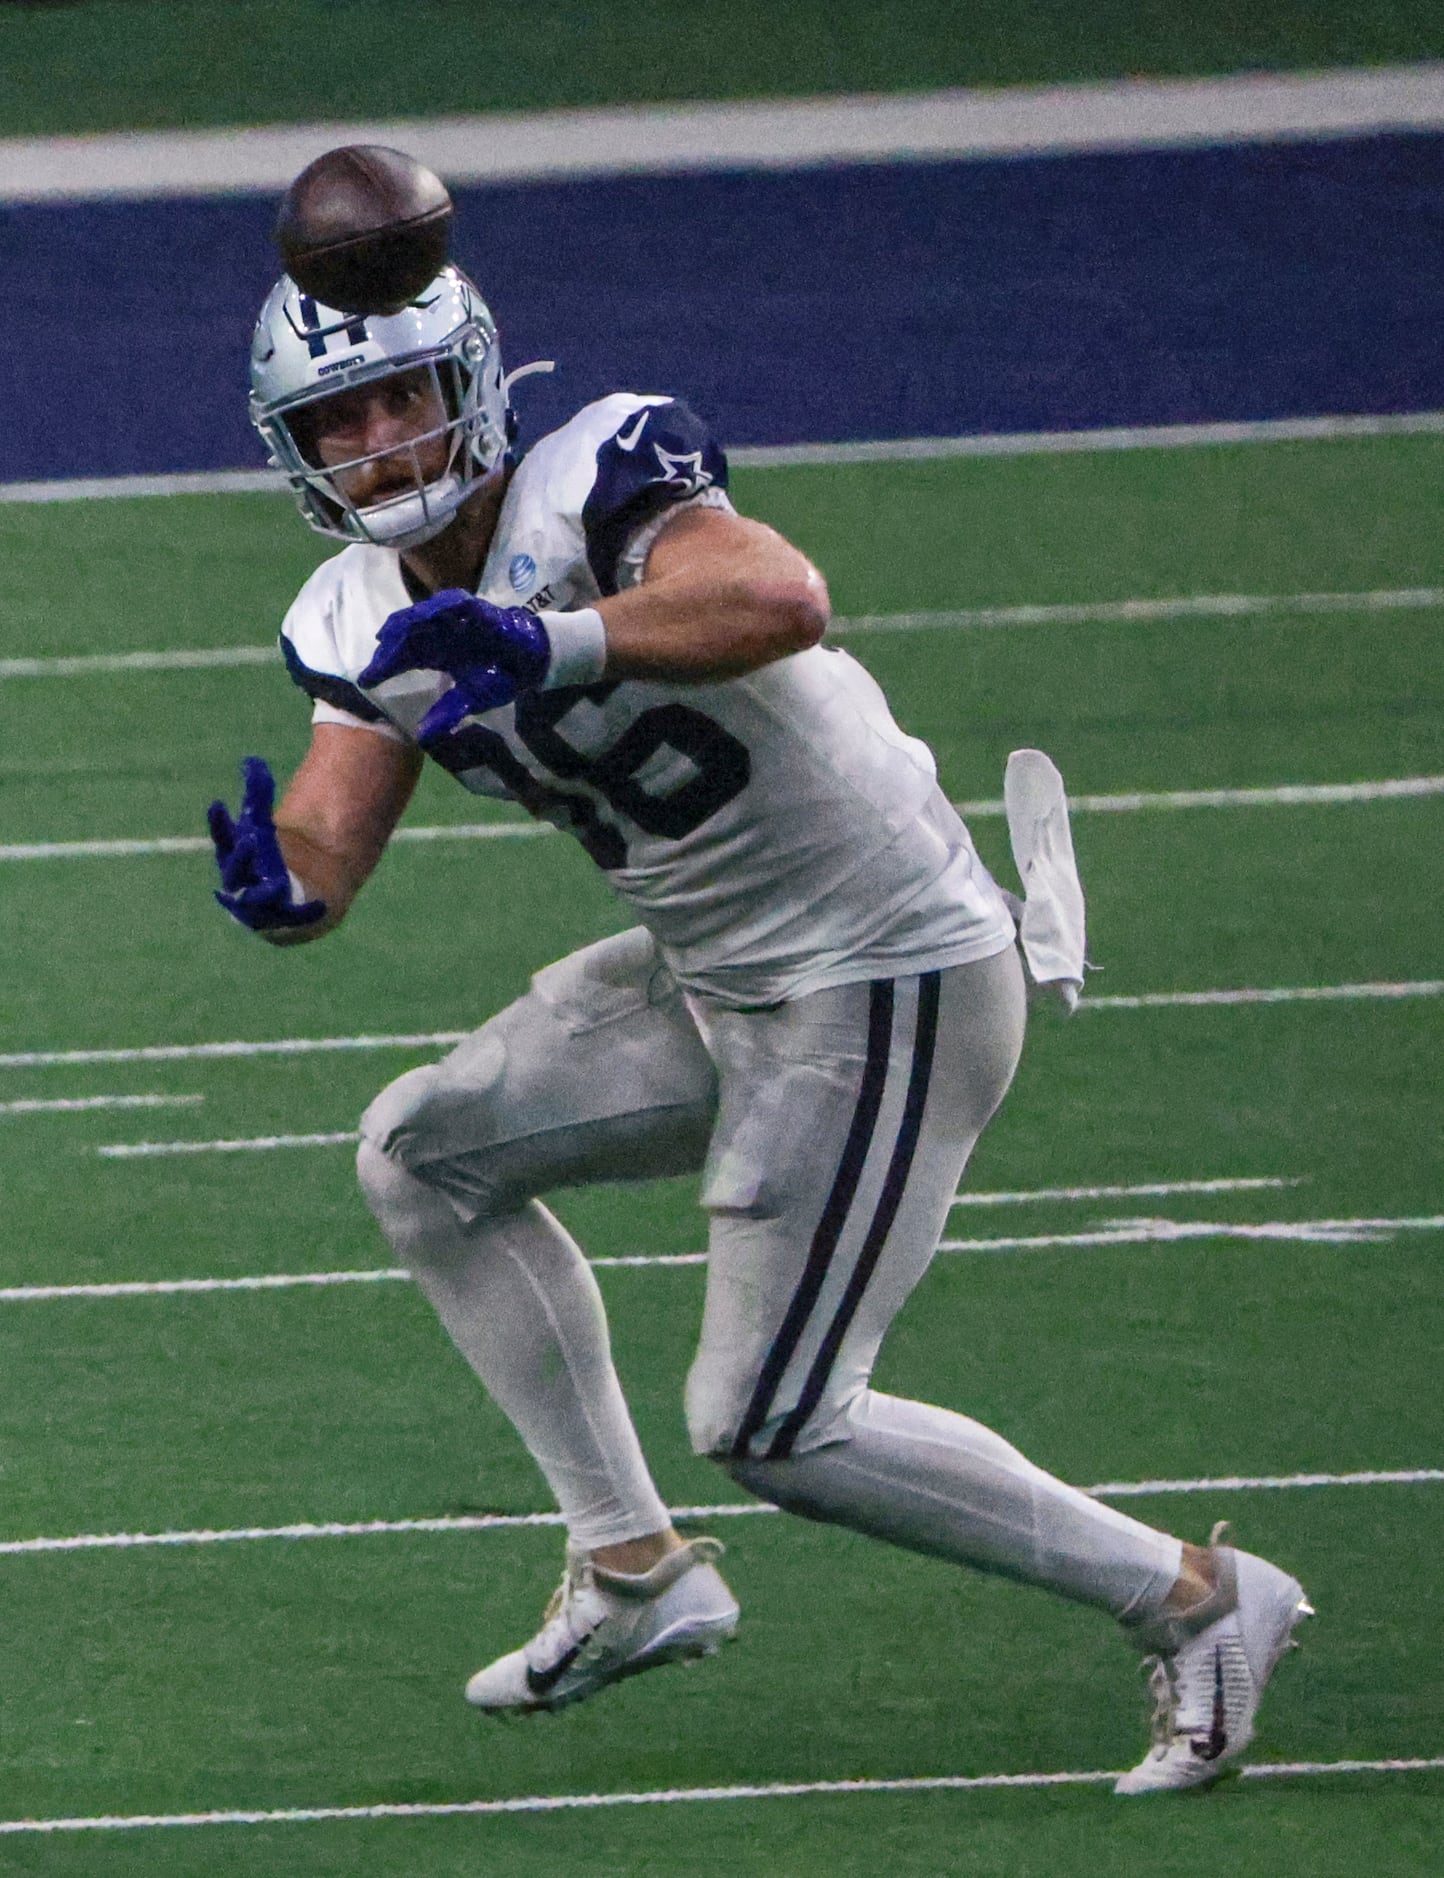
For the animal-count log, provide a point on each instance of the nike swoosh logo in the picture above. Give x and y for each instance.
(1217, 1741)
(630, 443)
(543, 1681)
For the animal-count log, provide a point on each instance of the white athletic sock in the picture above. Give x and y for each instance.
(937, 1482)
(520, 1303)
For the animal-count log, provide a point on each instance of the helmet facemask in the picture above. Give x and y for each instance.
(292, 378)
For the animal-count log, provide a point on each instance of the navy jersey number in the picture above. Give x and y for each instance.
(721, 768)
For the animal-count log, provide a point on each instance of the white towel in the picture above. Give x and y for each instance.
(1051, 928)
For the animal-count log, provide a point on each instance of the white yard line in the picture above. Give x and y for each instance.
(1281, 795)
(1280, 994)
(676, 1796)
(171, 1287)
(508, 1522)
(1328, 429)
(788, 133)
(254, 1144)
(1120, 1232)
(1149, 1190)
(1201, 606)
(272, 1281)
(75, 1105)
(203, 1052)
(443, 1039)
(1166, 1231)
(279, 1281)
(335, 1529)
(128, 849)
(1269, 1483)
(89, 664)
(132, 1150)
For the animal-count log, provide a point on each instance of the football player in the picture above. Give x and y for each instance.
(820, 1008)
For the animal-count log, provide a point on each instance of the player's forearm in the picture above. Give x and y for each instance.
(690, 629)
(338, 814)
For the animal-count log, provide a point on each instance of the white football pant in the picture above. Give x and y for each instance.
(832, 1132)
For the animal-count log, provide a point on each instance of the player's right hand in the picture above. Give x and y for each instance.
(492, 653)
(257, 888)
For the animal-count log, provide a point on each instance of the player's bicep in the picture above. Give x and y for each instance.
(702, 543)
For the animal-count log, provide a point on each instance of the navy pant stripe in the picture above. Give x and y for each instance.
(889, 1200)
(834, 1213)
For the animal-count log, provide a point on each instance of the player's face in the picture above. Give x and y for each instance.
(390, 424)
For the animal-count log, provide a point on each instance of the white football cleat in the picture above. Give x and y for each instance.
(1206, 1688)
(601, 1626)
(1050, 917)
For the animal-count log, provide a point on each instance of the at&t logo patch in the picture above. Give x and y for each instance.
(522, 572)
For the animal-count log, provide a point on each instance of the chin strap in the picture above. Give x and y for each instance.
(527, 371)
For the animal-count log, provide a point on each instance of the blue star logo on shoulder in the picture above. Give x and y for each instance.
(682, 471)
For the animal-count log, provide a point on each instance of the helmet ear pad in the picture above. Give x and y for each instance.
(303, 353)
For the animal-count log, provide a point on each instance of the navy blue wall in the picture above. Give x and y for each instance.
(848, 302)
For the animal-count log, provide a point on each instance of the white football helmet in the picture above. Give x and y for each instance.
(303, 352)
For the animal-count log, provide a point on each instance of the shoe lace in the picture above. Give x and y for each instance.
(562, 1622)
(1163, 1688)
(1163, 1691)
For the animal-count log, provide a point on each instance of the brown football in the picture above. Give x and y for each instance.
(363, 228)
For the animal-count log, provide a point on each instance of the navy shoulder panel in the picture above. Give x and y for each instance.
(659, 455)
(332, 690)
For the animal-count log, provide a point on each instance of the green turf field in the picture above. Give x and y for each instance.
(265, 1674)
(130, 64)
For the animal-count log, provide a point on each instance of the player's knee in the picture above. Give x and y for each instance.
(733, 1419)
(395, 1123)
(438, 1125)
(418, 1220)
(717, 1408)
(384, 1184)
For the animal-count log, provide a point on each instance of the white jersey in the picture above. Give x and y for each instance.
(777, 833)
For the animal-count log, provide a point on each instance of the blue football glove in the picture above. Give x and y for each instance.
(493, 652)
(255, 881)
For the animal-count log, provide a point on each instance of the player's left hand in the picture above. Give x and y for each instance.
(256, 885)
(492, 652)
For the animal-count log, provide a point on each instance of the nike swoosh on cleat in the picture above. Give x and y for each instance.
(1217, 1741)
(543, 1681)
(630, 443)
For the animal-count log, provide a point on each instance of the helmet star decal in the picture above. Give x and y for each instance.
(685, 471)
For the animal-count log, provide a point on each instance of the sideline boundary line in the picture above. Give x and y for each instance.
(678, 1796)
(508, 1522)
(956, 123)
(1321, 429)
(1328, 428)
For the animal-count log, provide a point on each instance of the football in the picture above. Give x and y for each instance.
(363, 228)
